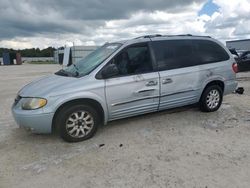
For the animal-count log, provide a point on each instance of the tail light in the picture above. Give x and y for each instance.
(235, 67)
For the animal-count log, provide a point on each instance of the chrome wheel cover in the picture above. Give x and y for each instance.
(79, 124)
(213, 99)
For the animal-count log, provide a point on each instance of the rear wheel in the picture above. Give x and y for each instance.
(77, 123)
(211, 99)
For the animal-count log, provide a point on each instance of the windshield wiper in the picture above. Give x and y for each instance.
(62, 72)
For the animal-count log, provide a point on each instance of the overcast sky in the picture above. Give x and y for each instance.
(43, 23)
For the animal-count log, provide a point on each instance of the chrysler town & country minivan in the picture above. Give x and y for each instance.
(127, 78)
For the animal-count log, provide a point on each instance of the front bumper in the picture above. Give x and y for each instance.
(35, 120)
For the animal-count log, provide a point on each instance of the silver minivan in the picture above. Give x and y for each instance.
(127, 78)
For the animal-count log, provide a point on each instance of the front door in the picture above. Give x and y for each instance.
(136, 89)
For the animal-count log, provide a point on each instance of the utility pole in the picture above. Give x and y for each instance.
(74, 56)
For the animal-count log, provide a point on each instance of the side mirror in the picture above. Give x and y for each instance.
(110, 71)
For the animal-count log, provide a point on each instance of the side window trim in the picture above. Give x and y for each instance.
(152, 56)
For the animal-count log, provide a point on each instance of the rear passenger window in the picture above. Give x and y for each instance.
(173, 54)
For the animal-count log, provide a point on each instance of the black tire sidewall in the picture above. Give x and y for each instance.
(203, 101)
(66, 112)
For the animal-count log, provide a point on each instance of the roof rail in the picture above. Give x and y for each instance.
(181, 35)
(185, 35)
(149, 36)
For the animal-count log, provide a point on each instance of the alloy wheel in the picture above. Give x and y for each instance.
(213, 99)
(79, 124)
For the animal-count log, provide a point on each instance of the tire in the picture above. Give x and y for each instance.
(211, 98)
(77, 122)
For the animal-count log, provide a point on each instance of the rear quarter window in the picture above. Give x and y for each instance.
(173, 54)
(209, 52)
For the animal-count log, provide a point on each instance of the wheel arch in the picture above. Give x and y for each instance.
(214, 82)
(92, 102)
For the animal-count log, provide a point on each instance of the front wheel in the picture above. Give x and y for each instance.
(77, 123)
(211, 99)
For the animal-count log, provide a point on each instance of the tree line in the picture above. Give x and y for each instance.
(31, 52)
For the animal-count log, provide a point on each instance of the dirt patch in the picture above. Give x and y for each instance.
(176, 148)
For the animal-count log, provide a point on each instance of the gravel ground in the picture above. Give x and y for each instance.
(175, 148)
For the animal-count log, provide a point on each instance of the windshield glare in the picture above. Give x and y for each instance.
(91, 61)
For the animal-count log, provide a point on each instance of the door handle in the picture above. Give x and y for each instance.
(167, 81)
(151, 83)
(145, 90)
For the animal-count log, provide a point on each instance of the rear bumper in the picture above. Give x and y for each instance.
(36, 122)
(230, 86)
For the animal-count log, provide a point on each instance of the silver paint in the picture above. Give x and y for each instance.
(124, 96)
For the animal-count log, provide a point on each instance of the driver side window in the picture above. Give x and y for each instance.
(133, 60)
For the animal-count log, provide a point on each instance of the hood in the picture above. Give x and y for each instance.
(44, 86)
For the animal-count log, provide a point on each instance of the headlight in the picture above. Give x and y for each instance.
(33, 103)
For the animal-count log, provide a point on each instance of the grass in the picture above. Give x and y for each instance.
(41, 62)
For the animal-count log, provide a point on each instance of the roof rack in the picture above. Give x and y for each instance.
(149, 36)
(181, 35)
(188, 35)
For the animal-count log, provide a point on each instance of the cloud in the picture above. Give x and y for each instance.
(108, 9)
(231, 21)
(37, 23)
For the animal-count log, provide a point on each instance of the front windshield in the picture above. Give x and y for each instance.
(91, 61)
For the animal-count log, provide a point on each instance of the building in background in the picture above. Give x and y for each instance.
(58, 55)
(239, 45)
(77, 53)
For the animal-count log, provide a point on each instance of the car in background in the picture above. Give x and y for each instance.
(244, 61)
